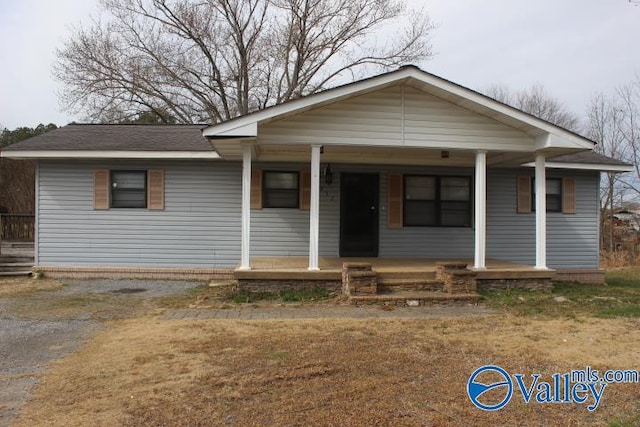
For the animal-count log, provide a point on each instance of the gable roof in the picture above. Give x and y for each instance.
(247, 125)
(116, 141)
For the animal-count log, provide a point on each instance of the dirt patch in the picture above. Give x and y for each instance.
(43, 320)
(327, 372)
(16, 287)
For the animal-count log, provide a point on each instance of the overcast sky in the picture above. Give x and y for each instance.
(573, 48)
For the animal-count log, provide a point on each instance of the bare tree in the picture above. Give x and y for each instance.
(212, 60)
(604, 125)
(537, 102)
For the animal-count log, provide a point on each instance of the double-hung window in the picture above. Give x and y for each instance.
(281, 189)
(128, 189)
(437, 201)
(554, 194)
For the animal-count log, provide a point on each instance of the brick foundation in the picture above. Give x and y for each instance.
(595, 276)
(504, 284)
(82, 272)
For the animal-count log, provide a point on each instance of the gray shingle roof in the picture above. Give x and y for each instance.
(588, 157)
(118, 138)
(179, 138)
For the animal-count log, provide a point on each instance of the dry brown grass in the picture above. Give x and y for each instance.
(326, 372)
(21, 286)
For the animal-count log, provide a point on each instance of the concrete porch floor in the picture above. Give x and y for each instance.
(330, 267)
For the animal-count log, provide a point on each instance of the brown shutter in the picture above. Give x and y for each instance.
(256, 188)
(155, 189)
(101, 189)
(305, 190)
(568, 195)
(524, 194)
(394, 200)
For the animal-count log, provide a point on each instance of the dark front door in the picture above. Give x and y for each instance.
(359, 214)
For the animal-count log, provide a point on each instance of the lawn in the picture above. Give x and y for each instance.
(147, 370)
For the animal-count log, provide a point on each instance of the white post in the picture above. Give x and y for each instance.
(314, 212)
(246, 207)
(541, 214)
(480, 211)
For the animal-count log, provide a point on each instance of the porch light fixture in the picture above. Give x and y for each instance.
(444, 154)
(328, 174)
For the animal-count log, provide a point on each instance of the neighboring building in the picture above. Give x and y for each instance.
(401, 165)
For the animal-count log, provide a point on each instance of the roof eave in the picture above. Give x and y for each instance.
(602, 167)
(108, 154)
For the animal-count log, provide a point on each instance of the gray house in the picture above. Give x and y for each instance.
(402, 166)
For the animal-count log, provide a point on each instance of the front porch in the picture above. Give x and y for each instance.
(402, 281)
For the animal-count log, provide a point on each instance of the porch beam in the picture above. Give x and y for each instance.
(480, 211)
(314, 211)
(541, 213)
(245, 263)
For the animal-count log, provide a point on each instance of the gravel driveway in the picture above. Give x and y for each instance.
(29, 342)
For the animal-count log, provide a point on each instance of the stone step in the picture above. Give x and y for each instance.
(414, 299)
(409, 284)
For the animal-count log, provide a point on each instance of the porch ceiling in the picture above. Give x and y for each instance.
(231, 149)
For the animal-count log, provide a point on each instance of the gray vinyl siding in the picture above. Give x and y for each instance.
(397, 115)
(200, 225)
(285, 232)
(572, 239)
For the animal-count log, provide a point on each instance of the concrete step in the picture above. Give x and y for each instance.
(414, 299)
(409, 284)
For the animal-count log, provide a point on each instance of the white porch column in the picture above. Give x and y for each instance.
(541, 213)
(246, 207)
(314, 211)
(480, 210)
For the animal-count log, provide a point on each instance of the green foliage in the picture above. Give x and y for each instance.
(619, 298)
(8, 137)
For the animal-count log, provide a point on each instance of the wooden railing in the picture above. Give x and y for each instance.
(16, 227)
